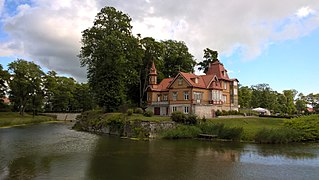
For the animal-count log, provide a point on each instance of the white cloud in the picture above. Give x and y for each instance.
(304, 12)
(1, 6)
(49, 32)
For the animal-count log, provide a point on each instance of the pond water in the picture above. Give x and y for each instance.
(54, 151)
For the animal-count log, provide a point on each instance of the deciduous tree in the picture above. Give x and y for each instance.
(25, 84)
(111, 54)
(210, 56)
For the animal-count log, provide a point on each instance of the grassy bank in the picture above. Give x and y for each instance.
(250, 125)
(252, 129)
(8, 119)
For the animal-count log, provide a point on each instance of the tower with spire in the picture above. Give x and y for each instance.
(153, 76)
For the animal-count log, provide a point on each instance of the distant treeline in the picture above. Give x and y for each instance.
(287, 102)
(30, 89)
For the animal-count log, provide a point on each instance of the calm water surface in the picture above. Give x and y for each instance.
(54, 151)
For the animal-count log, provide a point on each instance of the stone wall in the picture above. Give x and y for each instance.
(140, 129)
(203, 111)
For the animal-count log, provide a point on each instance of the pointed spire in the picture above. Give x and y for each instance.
(153, 70)
(153, 75)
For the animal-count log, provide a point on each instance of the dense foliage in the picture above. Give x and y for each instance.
(31, 90)
(307, 126)
(182, 118)
(287, 102)
(118, 63)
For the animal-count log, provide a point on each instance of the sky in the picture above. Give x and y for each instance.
(264, 41)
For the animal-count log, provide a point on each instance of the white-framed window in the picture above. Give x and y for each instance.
(186, 96)
(235, 91)
(186, 109)
(197, 95)
(174, 108)
(165, 98)
(216, 95)
(225, 85)
(235, 83)
(158, 98)
(224, 98)
(175, 96)
(180, 81)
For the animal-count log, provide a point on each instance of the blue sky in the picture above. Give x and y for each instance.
(259, 42)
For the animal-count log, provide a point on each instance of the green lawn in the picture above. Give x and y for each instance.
(8, 119)
(250, 124)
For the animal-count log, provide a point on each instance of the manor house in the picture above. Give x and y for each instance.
(202, 95)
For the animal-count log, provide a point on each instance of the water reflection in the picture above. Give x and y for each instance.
(53, 151)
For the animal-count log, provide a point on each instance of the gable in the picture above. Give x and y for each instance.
(179, 82)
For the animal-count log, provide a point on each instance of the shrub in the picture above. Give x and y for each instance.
(139, 111)
(218, 113)
(308, 126)
(222, 132)
(129, 112)
(191, 119)
(232, 133)
(277, 136)
(148, 113)
(204, 119)
(181, 131)
(178, 117)
(211, 128)
(116, 122)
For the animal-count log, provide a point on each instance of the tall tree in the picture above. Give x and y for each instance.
(263, 96)
(83, 100)
(244, 96)
(152, 52)
(25, 84)
(313, 99)
(4, 77)
(290, 96)
(176, 58)
(210, 56)
(111, 54)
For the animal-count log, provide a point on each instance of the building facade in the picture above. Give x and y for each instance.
(202, 95)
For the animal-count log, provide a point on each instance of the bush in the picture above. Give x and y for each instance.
(211, 128)
(277, 136)
(129, 112)
(148, 113)
(191, 119)
(139, 111)
(308, 126)
(182, 131)
(178, 117)
(232, 133)
(218, 113)
(222, 132)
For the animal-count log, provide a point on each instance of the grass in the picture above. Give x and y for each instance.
(8, 119)
(144, 118)
(250, 125)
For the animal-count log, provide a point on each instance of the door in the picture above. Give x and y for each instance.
(157, 110)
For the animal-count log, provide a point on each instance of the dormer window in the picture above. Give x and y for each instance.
(196, 80)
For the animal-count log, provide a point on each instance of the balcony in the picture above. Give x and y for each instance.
(215, 102)
(159, 103)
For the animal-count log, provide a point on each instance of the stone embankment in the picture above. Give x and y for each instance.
(130, 129)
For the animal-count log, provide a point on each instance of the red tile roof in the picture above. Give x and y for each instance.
(218, 69)
(163, 85)
(215, 72)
